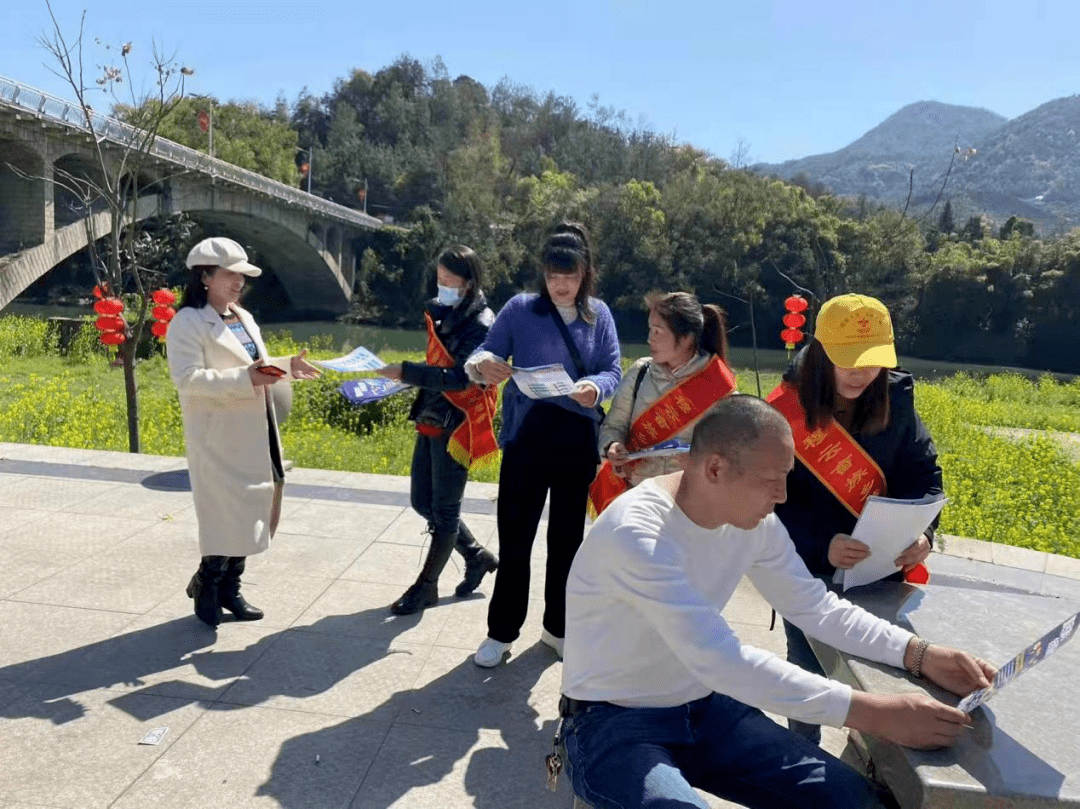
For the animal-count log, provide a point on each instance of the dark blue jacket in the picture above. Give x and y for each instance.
(903, 450)
(461, 328)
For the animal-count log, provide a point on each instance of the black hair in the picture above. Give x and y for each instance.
(684, 314)
(194, 294)
(566, 251)
(734, 425)
(815, 381)
(463, 262)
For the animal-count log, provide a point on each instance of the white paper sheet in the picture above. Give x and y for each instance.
(359, 359)
(889, 526)
(543, 381)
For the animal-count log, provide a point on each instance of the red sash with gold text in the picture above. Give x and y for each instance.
(830, 453)
(473, 442)
(664, 419)
(836, 459)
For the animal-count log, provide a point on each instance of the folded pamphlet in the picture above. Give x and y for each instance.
(661, 450)
(365, 391)
(359, 359)
(1035, 653)
(543, 381)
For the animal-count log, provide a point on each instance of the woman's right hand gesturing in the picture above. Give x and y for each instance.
(494, 370)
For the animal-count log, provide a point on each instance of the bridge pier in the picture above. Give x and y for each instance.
(24, 175)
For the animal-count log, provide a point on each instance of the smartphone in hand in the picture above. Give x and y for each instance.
(270, 370)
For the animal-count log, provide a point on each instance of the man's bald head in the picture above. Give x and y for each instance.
(736, 425)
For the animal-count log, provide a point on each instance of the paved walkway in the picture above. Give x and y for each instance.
(328, 702)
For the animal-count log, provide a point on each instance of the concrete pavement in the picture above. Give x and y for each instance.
(329, 701)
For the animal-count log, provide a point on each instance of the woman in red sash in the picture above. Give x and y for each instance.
(663, 395)
(453, 424)
(852, 414)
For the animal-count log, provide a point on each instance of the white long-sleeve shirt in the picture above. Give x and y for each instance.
(644, 625)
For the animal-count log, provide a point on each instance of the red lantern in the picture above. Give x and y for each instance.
(110, 323)
(109, 306)
(164, 313)
(796, 303)
(790, 337)
(794, 320)
(99, 293)
(159, 328)
(163, 296)
(112, 338)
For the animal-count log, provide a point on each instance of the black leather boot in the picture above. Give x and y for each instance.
(478, 561)
(424, 592)
(229, 592)
(203, 588)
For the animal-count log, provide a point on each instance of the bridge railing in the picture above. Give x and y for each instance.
(72, 114)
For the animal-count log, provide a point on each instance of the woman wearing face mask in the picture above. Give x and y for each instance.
(549, 445)
(663, 395)
(453, 423)
(856, 434)
(219, 365)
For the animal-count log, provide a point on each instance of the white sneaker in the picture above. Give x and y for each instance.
(550, 640)
(490, 653)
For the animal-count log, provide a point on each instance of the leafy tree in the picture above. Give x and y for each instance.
(974, 230)
(1014, 225)
(946, 224)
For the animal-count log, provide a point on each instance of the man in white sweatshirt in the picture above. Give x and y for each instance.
(660, 695)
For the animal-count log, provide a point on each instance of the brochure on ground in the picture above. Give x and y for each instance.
(543, 381)
(889, 526)
(661, 450)
(359, 359)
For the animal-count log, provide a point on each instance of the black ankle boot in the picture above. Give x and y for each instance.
(229, 592)
(419, 596)
(203, 588)
(479, 561)
(424, 592)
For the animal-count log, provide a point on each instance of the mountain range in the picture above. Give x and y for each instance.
(1028, 166)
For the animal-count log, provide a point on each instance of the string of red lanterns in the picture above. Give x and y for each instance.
(794, 320)
(110, 323)
(163, 312)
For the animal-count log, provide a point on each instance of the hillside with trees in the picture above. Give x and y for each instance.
(449, 160)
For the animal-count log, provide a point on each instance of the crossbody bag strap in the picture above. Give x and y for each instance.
(637, 383)
(575, 355)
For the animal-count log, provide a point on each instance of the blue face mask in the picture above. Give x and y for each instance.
(450, 296)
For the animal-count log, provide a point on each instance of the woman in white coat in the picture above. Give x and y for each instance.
(223, 376)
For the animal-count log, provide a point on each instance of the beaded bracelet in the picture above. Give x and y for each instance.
(916, 663)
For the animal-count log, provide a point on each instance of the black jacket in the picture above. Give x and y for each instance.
(462, 330)
(904, 451)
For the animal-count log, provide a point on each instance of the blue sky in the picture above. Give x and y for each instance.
(788, 78)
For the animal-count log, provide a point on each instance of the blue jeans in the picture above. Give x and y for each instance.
(625, 758)
(438, 484)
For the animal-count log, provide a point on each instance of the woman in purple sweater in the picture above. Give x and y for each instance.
(548, 445)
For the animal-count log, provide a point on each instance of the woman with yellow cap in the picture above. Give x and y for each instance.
(852, 415)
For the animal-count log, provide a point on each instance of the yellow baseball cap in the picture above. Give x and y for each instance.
(856, 332)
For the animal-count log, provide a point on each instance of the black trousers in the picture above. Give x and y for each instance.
(555, 451)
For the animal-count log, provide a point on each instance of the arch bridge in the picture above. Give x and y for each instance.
(303, 240)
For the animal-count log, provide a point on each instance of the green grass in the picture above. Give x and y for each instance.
(1023, 492)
